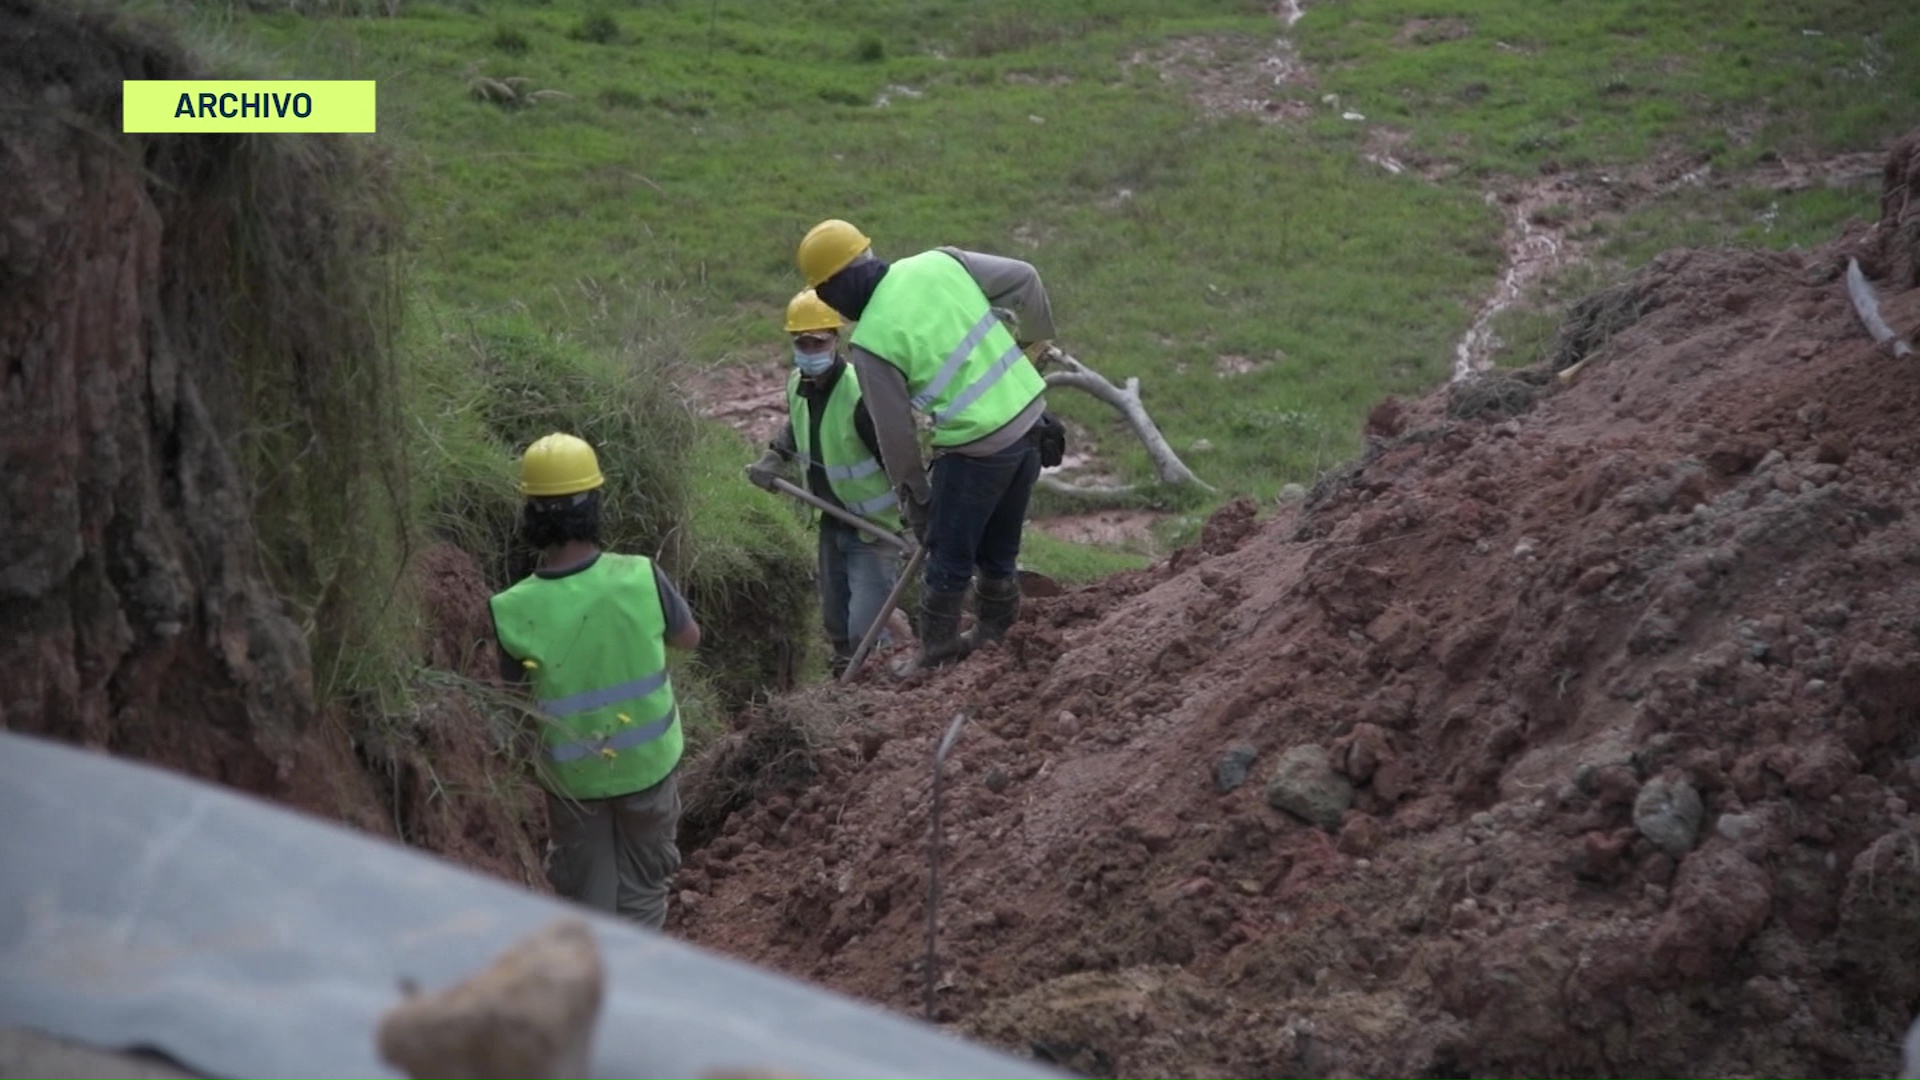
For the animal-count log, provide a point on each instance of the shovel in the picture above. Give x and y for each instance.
(1032, 583)
(828, 508)
(907, 573)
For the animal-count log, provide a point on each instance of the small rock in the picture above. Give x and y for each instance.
(996, 780)
(1292, 493)
(1669, 813)
(1393, 779)
(1737, 827)
(1233, 767)
(1359, 753)
(1601, 856)
(1305, 785)
(531, 1014)
(1360, 836)
(1596, 578)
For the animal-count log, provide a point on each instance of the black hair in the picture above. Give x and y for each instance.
(550, 522)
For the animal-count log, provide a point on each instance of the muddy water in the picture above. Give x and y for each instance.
(1533, 250)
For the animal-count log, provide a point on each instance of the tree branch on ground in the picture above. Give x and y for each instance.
(1126, 401)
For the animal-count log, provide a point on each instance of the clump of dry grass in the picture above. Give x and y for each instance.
(1496, 394)
(1595, 320)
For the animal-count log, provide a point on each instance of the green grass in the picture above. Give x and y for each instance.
(1514, 86)
(631, 214)
(698, 141)
(1078, 564)
(692, 161)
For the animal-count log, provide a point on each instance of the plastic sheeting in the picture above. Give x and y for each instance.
(143, 908)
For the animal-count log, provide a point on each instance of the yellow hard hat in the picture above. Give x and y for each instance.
(827, 249)
(806, 311)
(559, 465)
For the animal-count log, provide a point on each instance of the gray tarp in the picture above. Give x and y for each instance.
(143, 908)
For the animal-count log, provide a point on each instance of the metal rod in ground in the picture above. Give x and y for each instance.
(877, 532)
(907, 576)
(932, 965)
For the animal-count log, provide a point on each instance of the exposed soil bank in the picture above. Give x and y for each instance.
(1569, 737)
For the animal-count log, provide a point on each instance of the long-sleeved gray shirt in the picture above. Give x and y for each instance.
(1008, 283)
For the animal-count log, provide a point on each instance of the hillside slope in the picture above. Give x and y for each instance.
(1605, 695)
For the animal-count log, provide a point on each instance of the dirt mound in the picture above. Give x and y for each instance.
(1592, 715)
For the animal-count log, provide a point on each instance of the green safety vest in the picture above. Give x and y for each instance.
(853, 473)
(594, 643)
(929, 318)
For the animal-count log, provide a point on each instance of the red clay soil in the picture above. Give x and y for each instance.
(1618, 694)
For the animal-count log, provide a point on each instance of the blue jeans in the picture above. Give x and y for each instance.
(978, 508)
(856, 574)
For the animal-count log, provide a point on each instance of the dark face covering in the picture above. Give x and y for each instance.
(848, 291)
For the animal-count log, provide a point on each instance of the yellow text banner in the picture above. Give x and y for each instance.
(237, 105)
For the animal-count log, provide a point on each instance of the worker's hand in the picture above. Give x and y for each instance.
(1043, 353)
(765, 471)
(916, 513)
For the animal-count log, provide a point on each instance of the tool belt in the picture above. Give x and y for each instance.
(1049, 436)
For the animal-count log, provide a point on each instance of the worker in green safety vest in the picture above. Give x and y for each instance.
(931, 337)
(588, 632)
(830, 433)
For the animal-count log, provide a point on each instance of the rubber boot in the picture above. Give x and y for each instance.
(940, 639)
(999, 607)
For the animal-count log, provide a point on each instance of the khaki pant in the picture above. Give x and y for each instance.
(617, 854)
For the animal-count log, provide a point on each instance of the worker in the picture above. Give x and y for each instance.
(829, 430)
(929, 337)
(588, 630)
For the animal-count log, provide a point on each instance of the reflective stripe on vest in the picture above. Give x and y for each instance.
(951, 366)
(625, 739)
(875, 506)
(594, 642)
(852, 471)
(845, 472)
(929, 319)
(600, 699)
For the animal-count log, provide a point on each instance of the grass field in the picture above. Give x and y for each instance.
(698, 140)
(659, 160)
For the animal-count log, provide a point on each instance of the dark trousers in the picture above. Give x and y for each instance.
(979, 505)
(618, 854)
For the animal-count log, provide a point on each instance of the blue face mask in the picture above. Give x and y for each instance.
(813, 364)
